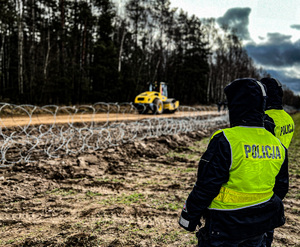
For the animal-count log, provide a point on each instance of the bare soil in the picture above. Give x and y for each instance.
(127, 195)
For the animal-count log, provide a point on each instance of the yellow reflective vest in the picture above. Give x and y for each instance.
(256, 158)
(284, 125)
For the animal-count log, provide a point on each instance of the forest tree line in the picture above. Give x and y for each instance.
(87, 51)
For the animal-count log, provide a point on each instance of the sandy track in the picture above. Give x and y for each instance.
(83, 118)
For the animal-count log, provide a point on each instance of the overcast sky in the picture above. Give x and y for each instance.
(270, 30)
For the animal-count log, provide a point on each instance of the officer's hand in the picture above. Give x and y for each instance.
(187, 222)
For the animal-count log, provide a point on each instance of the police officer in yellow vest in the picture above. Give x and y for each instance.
(278, 122)
(242, 177)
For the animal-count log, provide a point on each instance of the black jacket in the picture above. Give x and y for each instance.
(274, 93)
(269, 124)
(274, 100)
(214, 170)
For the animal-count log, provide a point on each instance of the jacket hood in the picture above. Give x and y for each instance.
(274, 93)
(246, 102)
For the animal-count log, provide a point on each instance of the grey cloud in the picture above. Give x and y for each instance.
(238, 20)
(290, 82)
(295, 26)
(278, 38)
(278, 50)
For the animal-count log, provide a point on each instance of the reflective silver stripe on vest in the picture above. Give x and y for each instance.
(262, 88)
(278, 83)
(234, 209)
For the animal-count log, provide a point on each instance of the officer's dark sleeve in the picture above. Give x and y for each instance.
(213, 171)
(282, 179)
(269, 124)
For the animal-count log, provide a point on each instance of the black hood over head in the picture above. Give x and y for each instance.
(246, 102)
(274, 93)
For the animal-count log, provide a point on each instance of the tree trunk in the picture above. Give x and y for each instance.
(121, 51)
(32, 54)
(47, 56)
(1, 61)
(20, 47)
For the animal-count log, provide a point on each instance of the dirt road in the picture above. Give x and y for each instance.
(83, 118)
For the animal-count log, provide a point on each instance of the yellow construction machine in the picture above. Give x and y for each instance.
(156, 100)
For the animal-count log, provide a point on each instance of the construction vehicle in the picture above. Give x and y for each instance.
(156, 100)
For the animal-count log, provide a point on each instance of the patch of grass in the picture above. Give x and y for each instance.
(14, 241)
(296, 136)
(103, 223)
(171, 154)
(10, 241)
(201, 145)
(165, 203)
(82, 226)
(92, 194)
(294, 146)
(103, 179)
(149, 182)
(133, 198)
(294, 155)
(117, 180)
(194, 148)
(193, 241)
(173, 206)
(124, 199)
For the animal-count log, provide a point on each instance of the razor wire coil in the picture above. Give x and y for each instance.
(70, 130)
